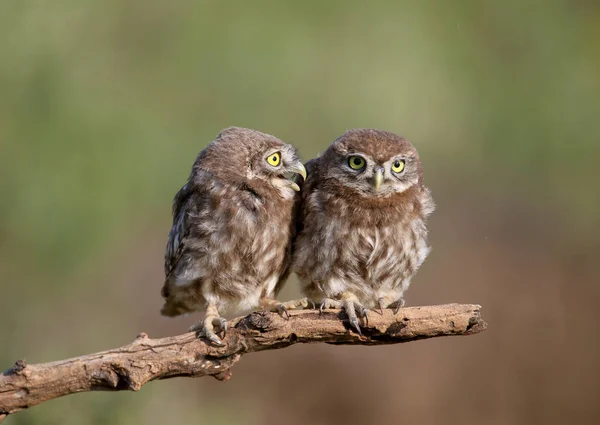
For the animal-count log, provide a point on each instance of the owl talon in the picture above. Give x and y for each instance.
(380, 303)
(353, 310)
(362, 313)
(202, 332)
(282, 310)
(328, 303)
(397, 305)
(355, 325)
(206, 328)
(221, 323)
(211, 336)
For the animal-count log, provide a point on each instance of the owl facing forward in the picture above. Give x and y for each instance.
(233, 222)
(362, 225)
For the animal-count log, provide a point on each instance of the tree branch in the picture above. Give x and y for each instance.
(131, 366)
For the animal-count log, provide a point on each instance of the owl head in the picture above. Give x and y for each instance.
(254, 160)
(372, 163)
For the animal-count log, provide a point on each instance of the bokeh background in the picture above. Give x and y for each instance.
(105, 104)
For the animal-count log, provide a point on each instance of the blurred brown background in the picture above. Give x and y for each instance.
(104, 106)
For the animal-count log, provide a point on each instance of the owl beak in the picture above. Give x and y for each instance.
(378, 178)
(295, 168)
(298, 168)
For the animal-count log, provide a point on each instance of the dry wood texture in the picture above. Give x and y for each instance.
(145, 359)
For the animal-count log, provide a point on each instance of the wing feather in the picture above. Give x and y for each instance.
(179, 230)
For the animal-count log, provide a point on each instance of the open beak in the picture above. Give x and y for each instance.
(378, 178)
(297, 168)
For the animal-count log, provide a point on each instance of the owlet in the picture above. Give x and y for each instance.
(362, 225)
(233, 222)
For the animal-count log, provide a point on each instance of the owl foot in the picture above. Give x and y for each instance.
(397, 305)
(302, 302)
(282, 311)
(328, 303)
(206, 328)
(353, 309)
(282, 308)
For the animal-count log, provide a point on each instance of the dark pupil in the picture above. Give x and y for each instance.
(356, 161)
(397, 164)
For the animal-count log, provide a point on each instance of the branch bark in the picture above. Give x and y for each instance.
(145, 359)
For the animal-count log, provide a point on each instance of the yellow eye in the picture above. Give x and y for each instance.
(274, 159)
(398, 166)
(356, 162)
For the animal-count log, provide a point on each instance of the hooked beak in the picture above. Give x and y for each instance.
(297, 168)
(378, 178)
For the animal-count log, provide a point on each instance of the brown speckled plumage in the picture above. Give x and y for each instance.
(359, 246)
(230, 244)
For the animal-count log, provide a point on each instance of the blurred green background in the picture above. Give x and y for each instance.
(104, 106)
